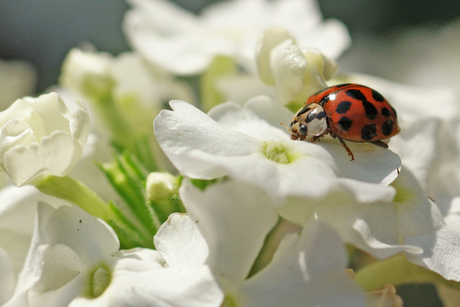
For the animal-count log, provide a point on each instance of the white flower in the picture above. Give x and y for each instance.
(39, 137)
(442, 249)
(127, 77)
(74, 261)
(295, 73)
(379, 228)
(186, 44)
(250, 144)
(217, 231)
(17, 79)
(87, 73)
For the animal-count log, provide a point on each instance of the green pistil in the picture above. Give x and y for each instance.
(278, 152)
(100, 280)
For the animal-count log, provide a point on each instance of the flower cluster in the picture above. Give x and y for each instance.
(216, 204)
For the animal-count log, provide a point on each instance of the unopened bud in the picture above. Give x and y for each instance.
(161, 186)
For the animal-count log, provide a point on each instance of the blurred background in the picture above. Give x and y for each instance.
(413, 42)
(42, 31)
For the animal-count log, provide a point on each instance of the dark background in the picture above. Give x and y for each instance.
(42, 31)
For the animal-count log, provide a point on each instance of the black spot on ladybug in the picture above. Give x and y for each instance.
(345, 123)
(312, 116)
(369, 108)
(303, 110)
(343, 107)
(321, 115)
(368, 132)
(377, 97)
(324, 100)
(385, 112)
(387, 127)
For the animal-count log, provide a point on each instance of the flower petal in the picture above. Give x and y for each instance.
(225, 214)
(73, 227)
(194, 287)
(180, 243)
(301, 275)
(7, 278)
(56, 155)
(188, 123)
(380, 228)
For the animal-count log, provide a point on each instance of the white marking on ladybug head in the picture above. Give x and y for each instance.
(310, 120)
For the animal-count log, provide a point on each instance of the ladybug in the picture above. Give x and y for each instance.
(349, 112)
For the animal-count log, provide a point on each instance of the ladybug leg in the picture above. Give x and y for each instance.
(346, 147)
(315, 138)
(318, 137)
(380, 143)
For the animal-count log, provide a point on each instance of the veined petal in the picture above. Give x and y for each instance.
(201, 134)
(381, 228)
(301, 275)
(288, 65)
(180, 243)
(225, 214)
(75, 228)
(271, 38)
(56, 155)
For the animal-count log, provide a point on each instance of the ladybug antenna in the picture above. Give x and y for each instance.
(288, 129)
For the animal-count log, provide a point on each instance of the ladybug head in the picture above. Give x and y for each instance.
(310, 120)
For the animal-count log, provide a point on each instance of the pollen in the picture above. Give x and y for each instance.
(278, 152)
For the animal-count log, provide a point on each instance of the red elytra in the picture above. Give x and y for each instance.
(349, 112)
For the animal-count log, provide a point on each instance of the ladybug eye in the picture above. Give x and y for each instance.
(303, 130)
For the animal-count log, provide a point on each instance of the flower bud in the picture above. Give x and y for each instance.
(161, 186)
(88, 73)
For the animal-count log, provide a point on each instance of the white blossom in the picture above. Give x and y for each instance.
(250, 144)
(127, 77)
(74, 261)
(39, 137)
(186, 44)
(216, 233)
(380, 228)
(295, 73)
(441, 249)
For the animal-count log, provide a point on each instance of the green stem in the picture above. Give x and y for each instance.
(75, 192)
(397, 271)
(115, 121)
